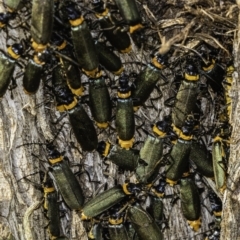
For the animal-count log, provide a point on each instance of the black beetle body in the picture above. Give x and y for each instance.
(125, 124)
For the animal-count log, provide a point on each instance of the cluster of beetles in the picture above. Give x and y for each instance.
(109, 70)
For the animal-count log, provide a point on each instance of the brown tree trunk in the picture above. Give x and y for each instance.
(231, 210)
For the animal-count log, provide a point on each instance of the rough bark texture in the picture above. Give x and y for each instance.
(231, 214)
(29, 119)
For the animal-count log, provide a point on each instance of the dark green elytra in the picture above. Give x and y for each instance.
(84, 46)
(14, 5)
(202, 159)
(103, 201)
(131, 231)
(68, 185)
(32, 77)
(190, 200)
(219, 166)
(129, 11)
(73, 75)
(144, 225)
(99, 100)
(215, 75)
(151, 154)
(108, 59)
(125, 124)
(156, 209)
(118, 39)
(53, 214)
(125, 159)
(59, 81)
(179, 157)
(42, 20)
(118, 232)
(71, 70)
(113, 32)
(144, 84)
(83, 128)
(6, 72)
(96, 232)
(185, 103)
(58, 76)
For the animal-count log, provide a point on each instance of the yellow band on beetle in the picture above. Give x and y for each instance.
(185, 137)
(2, 25)
(180, 134)
(61, 108)
(72, 104)
(106, 150)
(176, 129)
(125, 190)
(136, 108)
(95, 73)
(62, 46)
(118, 72)
(102, 14)
(56, 160)
(91, 235)
(158, 132)
(158, 194)
(48, 190)
(115, 221)
(64, 107)
(127, 50)
(102, 125)
(37, 61)
(45, 204)
(156, 63)
(195, 225)
(124, 95)
(12, 53)
(191, 77)
(135, 28)
(186, 174)
(230, 69)
(171, 182)
(149, 185)
(77, 21)
(126, 144)
(52, 237)
(78, 92)
(222, 189)
(210, 67)
(84, 217)
(38, 47)
(217, 214)
(217, 139)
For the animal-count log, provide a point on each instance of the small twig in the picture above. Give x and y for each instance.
(193, 50)
(204, 36)
(167, 44)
